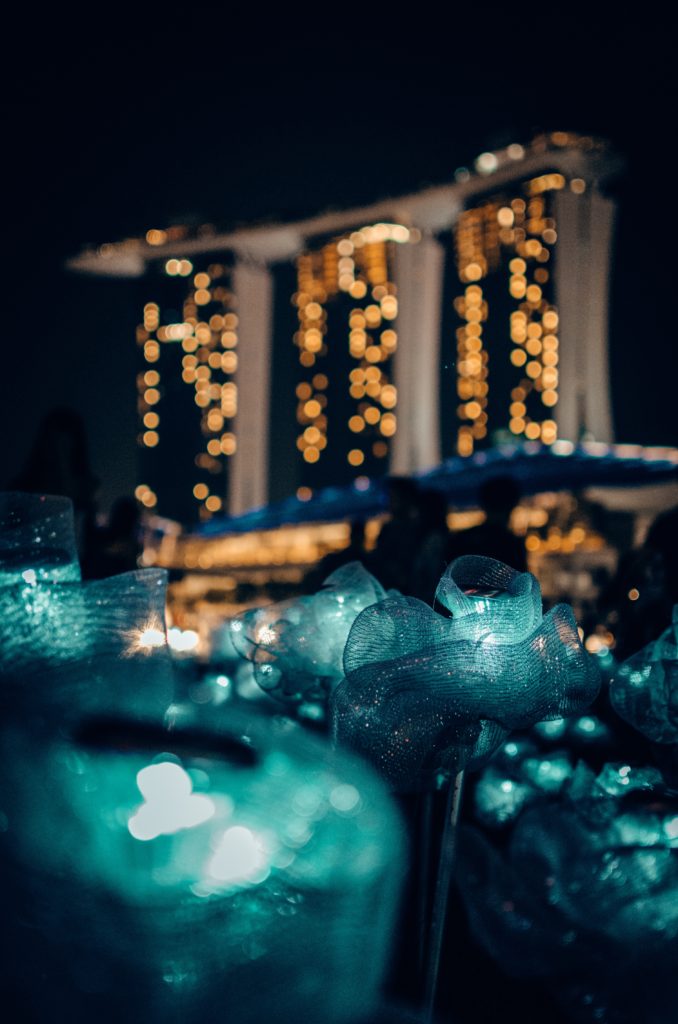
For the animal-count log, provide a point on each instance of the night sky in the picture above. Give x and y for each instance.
(200, 120)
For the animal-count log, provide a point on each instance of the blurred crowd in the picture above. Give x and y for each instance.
(415, 543)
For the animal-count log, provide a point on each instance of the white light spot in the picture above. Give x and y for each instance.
(182, 639)
(170, 803)
(266, 635)
(486, 163)
(30, 577)
(146, 638)
(671, 828)
(344, 798)
(152, 638)
(239, 857)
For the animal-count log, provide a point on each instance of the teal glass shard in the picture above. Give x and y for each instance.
(297, 646)
(644, 689)
(37, 539)
(226, 861)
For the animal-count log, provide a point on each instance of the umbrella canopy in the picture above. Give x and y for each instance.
(535, 468)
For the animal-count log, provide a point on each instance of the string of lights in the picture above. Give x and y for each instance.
(520, 235)
(360, 265)
(206, 338)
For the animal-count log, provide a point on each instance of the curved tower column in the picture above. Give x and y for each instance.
(248, 478)
(584, 224)
(419, 280)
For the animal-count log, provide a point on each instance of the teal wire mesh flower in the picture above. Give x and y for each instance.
(644, 689)
(224, 865)
(37, 539)
(71, 648)
(586, 894)
(425, 695)
(297, 646)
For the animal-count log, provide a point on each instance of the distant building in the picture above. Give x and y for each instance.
(284, 358)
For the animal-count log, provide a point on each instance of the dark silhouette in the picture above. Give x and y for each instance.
(395, 552)
(638, 604)
(355, 552)
(58, 463)
(118, 545)
(434, 540)
(493, 538)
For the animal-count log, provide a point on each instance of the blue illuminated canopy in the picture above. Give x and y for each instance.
(535, 468)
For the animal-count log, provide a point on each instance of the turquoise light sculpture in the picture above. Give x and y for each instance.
(37, 539)
(518, 775)
(68, 649)
(644, 689)
(426, 695)
(297, 646)
(225, 867)
(528, 767)
(586, 895)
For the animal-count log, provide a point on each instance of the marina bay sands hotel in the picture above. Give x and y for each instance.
(283, 358)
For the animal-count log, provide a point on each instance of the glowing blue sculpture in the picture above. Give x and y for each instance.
(224, 868)
(586, 895)
(522, 772)
(67, 649)
(517, 776)
(425, 695)
(297, 645)
(644, 690)
(37, 539)
(582, 731)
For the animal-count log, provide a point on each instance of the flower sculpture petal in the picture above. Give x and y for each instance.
(71, 648)
(297, 646)
(490, 597)
(427, 695)
(586, 893)
(160, 873)
(37, 539)
(644, 690)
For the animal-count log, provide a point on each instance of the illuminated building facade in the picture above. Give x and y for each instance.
(521, 255)
(187, 395)
(375, 340)
(507, 339)
(346, 291)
